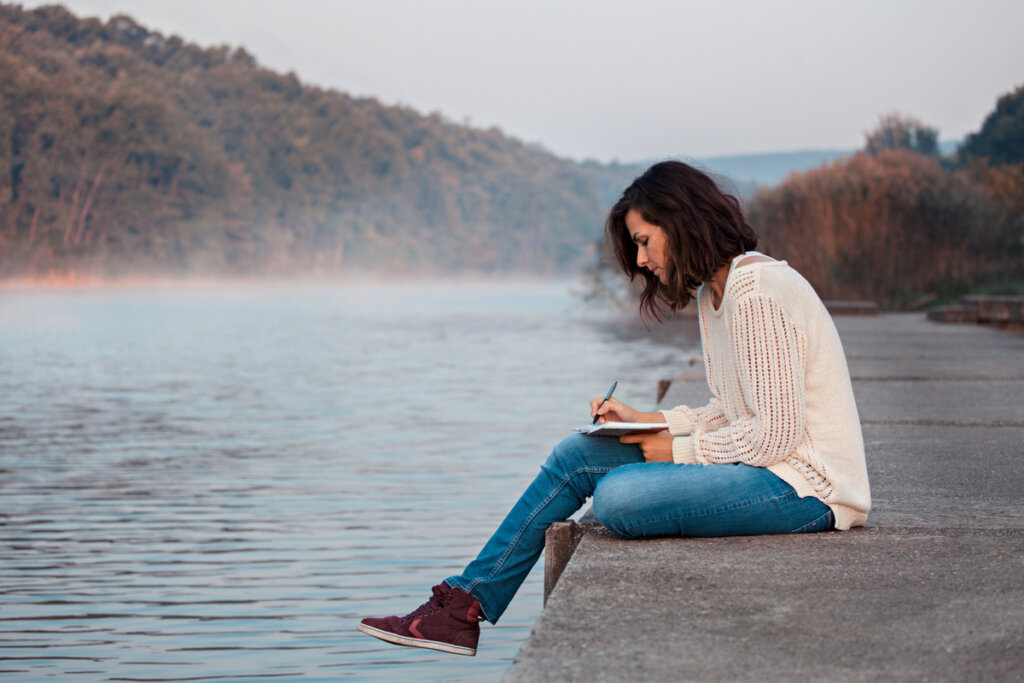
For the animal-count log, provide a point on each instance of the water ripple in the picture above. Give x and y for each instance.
(218, 484)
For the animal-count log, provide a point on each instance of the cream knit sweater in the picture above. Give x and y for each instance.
(782, 396)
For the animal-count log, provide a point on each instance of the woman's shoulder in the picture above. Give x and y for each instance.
(780, 276)
(745, 276)
(775, 279)
(752, 257)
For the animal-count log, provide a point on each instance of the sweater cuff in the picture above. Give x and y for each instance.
(684, 451)
(678, 422)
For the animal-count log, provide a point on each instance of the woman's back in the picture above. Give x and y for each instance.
(775, 361)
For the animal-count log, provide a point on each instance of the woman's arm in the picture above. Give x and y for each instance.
(683, 420)
(685, 424)
(769, 358)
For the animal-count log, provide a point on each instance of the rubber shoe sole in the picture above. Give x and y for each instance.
(416, 642)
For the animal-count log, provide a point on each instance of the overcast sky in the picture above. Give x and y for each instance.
(633, 80)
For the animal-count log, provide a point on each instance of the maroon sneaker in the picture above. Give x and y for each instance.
(449, 621)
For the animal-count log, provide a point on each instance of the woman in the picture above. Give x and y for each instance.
(777, 450)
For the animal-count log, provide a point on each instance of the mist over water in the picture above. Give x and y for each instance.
(217, 483)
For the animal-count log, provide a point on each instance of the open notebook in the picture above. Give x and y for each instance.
(620, 428)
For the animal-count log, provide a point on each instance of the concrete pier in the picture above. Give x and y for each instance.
(932, 588)
(1003, 311)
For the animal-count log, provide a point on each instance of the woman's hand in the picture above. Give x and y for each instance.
(656, 447)
(612, 411)
(617, 411)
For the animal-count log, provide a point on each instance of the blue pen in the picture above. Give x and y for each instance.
(606, 397)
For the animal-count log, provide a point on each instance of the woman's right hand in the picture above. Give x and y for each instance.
(613, 411)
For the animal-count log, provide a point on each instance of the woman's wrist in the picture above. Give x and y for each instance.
(684, 450)
(679, 423)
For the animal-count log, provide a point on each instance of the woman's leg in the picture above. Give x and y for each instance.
(566, 479)
(665, 499)
(632, 498)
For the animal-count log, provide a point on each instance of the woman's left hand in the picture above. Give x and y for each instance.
(656, 447)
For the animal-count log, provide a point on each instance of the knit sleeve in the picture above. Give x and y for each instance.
(683, 419)
(769, 362)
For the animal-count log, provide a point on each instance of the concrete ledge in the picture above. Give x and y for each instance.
(990, 310)
(997, 309)
(953, 314)
(931, 589)
(896, 603)
(852, 307)
(560, 541)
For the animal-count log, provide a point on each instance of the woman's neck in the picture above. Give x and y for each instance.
(718, 280)
(717, 284)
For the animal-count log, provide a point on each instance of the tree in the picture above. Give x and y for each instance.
(888, 227)
(1001, 138)
(897, 131)
(126, 152)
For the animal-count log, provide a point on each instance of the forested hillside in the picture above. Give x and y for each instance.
(126, 152)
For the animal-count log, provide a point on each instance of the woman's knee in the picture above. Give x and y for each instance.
(616, 503)
(568, 454)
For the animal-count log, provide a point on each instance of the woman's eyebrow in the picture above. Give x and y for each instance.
(636, 236)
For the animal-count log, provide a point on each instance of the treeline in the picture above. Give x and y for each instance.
(896, 223)
(125, 152)
(900, 225)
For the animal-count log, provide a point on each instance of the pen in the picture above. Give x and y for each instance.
(606, 397)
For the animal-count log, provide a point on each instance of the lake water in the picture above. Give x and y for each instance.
(217, 483)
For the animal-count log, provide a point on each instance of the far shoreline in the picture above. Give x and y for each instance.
(72, 281)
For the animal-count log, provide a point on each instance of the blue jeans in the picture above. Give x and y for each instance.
(635, 499)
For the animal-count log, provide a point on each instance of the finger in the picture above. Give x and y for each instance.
(595, 404)
(612, 404)
(631, 438)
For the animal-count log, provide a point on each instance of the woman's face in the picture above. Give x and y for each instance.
(651, 245)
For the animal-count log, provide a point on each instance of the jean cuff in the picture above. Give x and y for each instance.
(454, 582)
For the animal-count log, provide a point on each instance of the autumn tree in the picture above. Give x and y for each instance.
(1001, 138)
(125, 151)
(889, 227)
(898, 131)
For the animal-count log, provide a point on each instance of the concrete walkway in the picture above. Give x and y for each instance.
(931, 589)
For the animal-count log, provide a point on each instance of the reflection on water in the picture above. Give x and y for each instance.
(218, 483)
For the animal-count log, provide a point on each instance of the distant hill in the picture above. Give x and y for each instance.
(127, 152)
(743, 173)
(770, 168)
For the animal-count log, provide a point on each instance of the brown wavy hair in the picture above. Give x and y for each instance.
(704, 227)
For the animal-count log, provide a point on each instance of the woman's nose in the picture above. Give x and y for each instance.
(641, 258)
